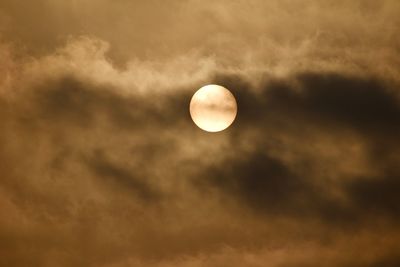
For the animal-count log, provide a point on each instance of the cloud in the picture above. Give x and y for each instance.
(282, 174)
(101, 165)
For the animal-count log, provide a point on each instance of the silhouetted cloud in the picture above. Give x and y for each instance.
(322, 103)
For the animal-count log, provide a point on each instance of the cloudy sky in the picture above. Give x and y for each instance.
(102, 166)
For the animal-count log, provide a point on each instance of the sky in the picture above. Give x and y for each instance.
(102, 166)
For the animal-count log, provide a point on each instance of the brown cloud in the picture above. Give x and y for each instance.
(100, 164)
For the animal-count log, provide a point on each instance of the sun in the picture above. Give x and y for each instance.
(213, 108)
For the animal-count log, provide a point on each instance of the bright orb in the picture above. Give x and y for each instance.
(213, 108)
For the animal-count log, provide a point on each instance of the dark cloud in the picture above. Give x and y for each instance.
(87, 131)
(389, 261)
(377, 196)
(271, 188)
(70, 100)
(122, 177)
(365, 104)
(323, 102)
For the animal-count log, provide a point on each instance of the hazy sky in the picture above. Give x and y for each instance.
(101, 164)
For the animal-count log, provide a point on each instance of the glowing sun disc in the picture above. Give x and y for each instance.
(213, 108)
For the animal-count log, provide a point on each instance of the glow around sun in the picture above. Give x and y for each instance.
(213, 108)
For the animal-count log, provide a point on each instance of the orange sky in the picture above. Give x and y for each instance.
(101, 164)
